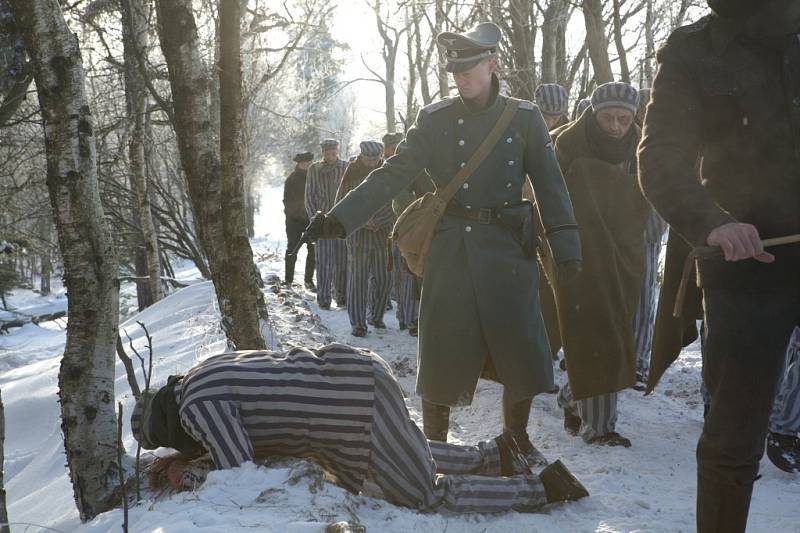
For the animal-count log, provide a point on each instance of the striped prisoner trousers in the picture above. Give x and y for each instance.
(331, 259)
(407, 302)
(436, 476)
(645, 317)
(598, 414)
(785, 418)
(368, 280)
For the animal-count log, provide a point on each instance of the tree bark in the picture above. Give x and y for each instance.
(86, 377)
(553, 28)
(199, 157)
(4, 527)
(243, 288)
(650, 45)
(444, 86)
(596, 41)
(523, 83)
(135, 34)
(625, 72)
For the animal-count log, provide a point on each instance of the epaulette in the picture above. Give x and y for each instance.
(695, 27)
(441, 104)
(527, 104)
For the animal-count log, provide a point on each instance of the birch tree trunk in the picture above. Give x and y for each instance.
(441, 73)
(199, 156)
(86, 377)
(4, 527)
(596, 41)
(135, 33)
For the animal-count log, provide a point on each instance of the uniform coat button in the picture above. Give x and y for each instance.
(511, 163)
(468, 229)
(509, 140)
(508, 185)
(462, 165)
(461, 121)
(466, 186)
(461, 142)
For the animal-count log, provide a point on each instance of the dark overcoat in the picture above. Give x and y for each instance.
(596, 309)
(480, 292)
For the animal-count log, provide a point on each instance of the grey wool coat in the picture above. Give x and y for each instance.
(480, 302)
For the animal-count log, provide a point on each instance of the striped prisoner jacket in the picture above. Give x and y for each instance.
(354, 174)
(321, 186)
(314, 405)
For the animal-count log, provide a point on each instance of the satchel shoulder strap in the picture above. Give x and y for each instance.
(483, 150)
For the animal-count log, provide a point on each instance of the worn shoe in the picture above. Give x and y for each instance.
(784, 451)
(533, 456)
(358, 331)
(378, 324)
(560, 485)
(611, 439)
(310, 287)
(413, 331)
(512, 461)
(572, 423)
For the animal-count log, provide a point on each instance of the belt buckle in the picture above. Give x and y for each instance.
(485, 216)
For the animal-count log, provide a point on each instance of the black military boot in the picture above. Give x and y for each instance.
(435, 420)
(290, 261)
(512, 461)
(560, 485)
(515, 423)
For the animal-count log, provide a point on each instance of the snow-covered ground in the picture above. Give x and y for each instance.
(649, 487)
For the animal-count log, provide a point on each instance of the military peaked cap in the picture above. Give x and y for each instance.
(465, 50)
(305, 156)
(328, 144)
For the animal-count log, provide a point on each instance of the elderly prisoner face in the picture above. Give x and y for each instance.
(476, 81)
(615, 121)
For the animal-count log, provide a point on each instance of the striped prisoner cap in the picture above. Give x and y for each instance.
(616, 94)
(552, 99)
(581, 107)
(371, 148)
(328, 144)
(140, 420)
(644, 98)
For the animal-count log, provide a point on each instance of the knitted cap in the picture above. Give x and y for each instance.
(552, 99)
(644, 98)
(371, 149)
(581, 107)
(615, 94)
(735, 8)
(305, 156)
(328, 144)
(392, 138)
(140, 420)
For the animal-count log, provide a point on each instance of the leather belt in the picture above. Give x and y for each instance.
(484, 215)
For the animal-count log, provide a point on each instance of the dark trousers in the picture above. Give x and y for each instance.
(750, 312)
(294, 231)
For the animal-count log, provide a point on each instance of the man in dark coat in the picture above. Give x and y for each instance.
(294, 190)
(480, 305)
(728, 92)
(597, 154)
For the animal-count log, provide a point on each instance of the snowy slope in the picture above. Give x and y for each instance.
(649, 487)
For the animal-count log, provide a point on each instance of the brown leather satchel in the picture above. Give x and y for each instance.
(413, 231)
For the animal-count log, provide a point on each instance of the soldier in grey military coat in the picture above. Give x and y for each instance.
(480, 303)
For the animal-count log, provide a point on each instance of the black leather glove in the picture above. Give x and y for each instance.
(323, 226)
(568, 271)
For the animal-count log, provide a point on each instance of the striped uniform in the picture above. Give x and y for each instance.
(321, 185)
(785, 417)
(368, 279)
(644, 320)
(407, 300)
(343, 409)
